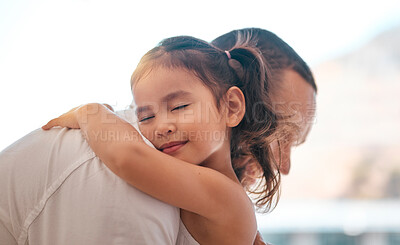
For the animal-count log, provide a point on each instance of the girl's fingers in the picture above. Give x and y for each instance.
(70, 119)
(50, 124)
(66, 120)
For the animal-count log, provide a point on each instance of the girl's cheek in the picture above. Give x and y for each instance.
(186, 117)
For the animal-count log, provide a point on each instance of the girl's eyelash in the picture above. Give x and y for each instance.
(180, 107)
(145, 119)
(176, 108)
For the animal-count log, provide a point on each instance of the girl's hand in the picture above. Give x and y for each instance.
(68, 120)
(72, 118)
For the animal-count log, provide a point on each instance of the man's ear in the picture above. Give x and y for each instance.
(235, 106)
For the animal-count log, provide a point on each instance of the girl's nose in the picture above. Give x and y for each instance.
(165, 129)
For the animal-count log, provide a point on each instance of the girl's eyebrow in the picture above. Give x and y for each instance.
(173, 95)
(142, 109)
(168, 97)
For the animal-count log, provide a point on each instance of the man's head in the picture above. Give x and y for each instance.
(292, 91)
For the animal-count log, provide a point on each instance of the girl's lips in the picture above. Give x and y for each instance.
(172, 147)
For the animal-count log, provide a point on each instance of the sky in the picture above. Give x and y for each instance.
(56, 55)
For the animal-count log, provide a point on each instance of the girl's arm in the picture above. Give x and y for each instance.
(194, 188)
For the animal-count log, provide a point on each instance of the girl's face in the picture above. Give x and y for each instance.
(177, 113)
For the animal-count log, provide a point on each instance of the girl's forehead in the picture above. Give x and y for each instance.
(161, 82)
(164, 77)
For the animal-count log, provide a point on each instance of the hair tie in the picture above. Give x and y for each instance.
(228, 54)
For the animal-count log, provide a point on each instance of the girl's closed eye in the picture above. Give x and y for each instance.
(145, 118)
(180, 107)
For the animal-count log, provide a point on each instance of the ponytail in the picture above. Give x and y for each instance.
(252, 137)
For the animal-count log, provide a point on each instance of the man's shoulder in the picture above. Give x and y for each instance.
(43, 156)
(40, 143)
(41, 139)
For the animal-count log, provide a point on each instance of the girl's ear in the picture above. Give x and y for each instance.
(235, 106)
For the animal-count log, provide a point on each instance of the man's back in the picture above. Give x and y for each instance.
(54, 190)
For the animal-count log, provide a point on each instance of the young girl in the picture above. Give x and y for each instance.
(199, 106)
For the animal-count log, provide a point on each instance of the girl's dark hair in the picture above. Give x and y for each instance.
(245, 69)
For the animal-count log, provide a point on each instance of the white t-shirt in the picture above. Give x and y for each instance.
(55, 191)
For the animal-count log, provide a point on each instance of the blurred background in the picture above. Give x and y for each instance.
(344, 185)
